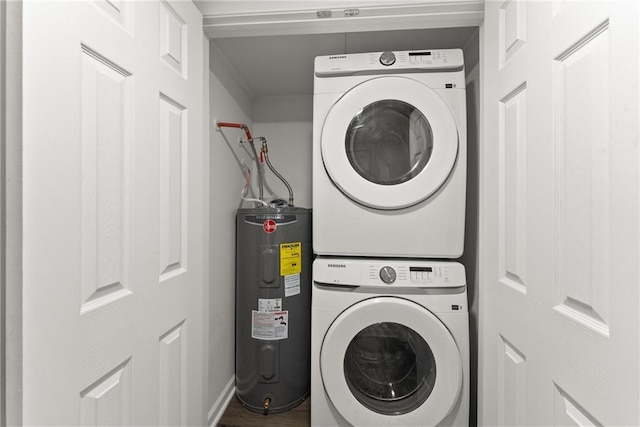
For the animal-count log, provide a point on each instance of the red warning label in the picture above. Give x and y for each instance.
(269, 226)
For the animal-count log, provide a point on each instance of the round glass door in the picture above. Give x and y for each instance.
(390, 361)
(389, 143)
(390, 368)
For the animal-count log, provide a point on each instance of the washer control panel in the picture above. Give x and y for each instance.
(389, 272)
(411, 275)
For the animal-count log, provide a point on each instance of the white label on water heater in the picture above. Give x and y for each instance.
(274, 304)
(292, 285)
(270, 326)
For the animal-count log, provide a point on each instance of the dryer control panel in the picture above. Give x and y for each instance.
(389, 272)
(397, 62)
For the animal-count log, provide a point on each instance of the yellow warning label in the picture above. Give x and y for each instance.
(290, 258)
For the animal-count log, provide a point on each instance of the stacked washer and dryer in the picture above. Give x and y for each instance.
(390, 331)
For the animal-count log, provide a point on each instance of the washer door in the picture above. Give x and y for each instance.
(390, 361)
(389, 142)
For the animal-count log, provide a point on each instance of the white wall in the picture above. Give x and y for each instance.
(286, 123)
(227, 103)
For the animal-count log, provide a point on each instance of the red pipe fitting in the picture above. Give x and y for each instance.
(242, 126)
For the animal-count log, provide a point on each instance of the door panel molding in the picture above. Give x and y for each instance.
(114, 276)
(560, 210)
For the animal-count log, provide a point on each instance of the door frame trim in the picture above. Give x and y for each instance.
(425, 14)
(11, 213)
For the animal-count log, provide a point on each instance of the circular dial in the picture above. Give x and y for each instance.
(387, 274)
(387, 58)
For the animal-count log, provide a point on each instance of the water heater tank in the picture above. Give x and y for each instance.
(273, 307)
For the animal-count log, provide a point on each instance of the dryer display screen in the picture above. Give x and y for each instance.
(423, 269)
(419, 53)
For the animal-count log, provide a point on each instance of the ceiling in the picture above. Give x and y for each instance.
(283, 65)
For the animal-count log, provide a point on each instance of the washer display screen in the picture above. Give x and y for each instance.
(390, 368)
(389, 142)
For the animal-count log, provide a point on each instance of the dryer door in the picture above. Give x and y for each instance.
(390, 361)
(389, 143)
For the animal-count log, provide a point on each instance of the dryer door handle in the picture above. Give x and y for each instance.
(336, 286)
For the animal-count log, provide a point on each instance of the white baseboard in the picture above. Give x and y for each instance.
(221, 403)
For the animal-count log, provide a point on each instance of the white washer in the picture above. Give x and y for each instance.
(389, 343)
(389, 154)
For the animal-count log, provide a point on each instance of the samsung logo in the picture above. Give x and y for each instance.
(338, 57)
(337, 266)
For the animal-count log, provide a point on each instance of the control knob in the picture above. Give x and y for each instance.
(387, 58)
(387, 275)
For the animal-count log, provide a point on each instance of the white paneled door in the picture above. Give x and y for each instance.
(113, 213)
(560, 215)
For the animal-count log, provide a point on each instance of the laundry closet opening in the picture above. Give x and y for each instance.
(267, 82)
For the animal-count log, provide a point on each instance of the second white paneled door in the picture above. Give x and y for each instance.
(113, 213)
(560, 214)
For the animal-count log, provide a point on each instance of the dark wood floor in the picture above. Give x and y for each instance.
(237, 416)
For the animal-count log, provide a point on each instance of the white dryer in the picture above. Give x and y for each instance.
(389, 343)
(389, 154)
